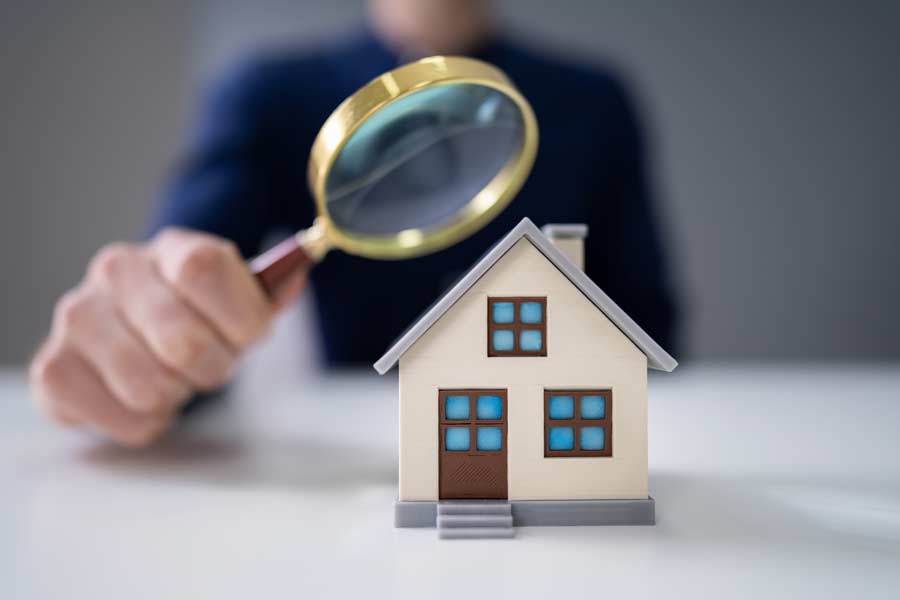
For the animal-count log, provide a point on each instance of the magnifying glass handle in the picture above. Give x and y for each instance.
(299, 252)
(274, 267)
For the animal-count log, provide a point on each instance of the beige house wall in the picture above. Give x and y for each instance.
(584, 351)
(573, 248)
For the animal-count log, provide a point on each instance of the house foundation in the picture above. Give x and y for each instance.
(544, 513)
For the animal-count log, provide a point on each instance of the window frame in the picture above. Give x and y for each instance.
(576, 423)
(516, 327)
(472, 423)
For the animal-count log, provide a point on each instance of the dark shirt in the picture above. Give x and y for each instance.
(244, 177)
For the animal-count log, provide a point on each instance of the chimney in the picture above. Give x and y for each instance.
(569, 239)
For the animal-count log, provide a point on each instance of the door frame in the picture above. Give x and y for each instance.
(490, 466)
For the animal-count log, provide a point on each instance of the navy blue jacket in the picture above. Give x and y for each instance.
(244, 176)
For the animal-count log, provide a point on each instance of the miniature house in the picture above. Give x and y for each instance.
(523, 397)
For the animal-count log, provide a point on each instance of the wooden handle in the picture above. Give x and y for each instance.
(274, 267)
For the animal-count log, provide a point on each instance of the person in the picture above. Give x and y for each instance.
(153, 323)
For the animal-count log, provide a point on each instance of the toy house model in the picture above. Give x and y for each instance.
(523, 397)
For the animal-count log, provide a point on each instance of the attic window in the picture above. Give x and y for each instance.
(517, 326)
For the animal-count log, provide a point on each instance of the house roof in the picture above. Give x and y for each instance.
(657, 358)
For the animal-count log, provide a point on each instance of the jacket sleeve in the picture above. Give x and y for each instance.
(226, 183)
(624, 250)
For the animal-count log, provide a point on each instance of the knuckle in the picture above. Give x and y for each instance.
(169, 235)
(183, 350)
(46, 374)
(72, 310)
(111, 261)
(46, 369)
(206, 258)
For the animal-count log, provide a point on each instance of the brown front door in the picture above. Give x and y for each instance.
(472, 440)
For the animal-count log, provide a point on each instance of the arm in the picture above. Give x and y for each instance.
(231, 182)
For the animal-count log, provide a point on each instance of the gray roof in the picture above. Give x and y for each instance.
(657, 358)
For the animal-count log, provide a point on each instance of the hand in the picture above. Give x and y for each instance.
(147, 327)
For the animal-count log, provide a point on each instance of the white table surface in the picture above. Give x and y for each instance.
(769, 482)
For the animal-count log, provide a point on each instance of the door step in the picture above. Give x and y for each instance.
(474, 519)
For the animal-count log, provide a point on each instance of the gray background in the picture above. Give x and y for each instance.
(776, 132)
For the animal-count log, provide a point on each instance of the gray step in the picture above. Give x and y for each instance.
(474, 507)
(475, 533)
(472, 520)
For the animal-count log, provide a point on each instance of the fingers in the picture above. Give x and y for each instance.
(175, 333)
(70, 391)
(88, 321)
(146, 327)
(212, 277)
(43, 370)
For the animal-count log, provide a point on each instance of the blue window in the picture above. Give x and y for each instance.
(502, 340)
(578, 423)
(530, 312)
(530, 340)
(503, 312)
(489, 408)
(591, 438)
(517, 326)
(593, 407)
(456, 438)
(561, 438)
(561, 407)
(465, 414)
(456, 408)
(489, 438)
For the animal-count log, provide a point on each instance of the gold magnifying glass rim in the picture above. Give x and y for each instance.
(385, 89)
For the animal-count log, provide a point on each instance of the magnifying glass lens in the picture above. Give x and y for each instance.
(411, 163)
(418, 161)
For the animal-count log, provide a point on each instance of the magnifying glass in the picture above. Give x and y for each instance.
(413, 162)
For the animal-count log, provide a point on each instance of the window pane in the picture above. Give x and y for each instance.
(530, 340)
(489, 438)
(503, 340)
(456, 438)
(489, 407)
(530, 312)
(502, 312)
(593, 407)
(591, 438)
(561, 438)
(456, 407)
(562, 407)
